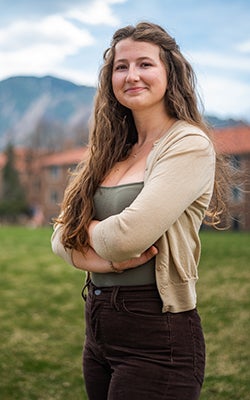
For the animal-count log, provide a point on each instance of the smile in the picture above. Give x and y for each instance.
(135, 89)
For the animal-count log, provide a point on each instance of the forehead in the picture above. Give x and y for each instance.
(129, 48)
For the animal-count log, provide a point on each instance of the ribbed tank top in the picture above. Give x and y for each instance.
(110, 201)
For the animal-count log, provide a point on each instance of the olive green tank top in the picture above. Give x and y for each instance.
(109, 201)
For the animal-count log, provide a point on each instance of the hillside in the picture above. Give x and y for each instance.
(49, 112)
(29, 105)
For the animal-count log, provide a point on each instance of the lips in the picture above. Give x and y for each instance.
(134, 89)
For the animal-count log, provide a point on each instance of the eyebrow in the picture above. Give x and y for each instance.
(138, 59)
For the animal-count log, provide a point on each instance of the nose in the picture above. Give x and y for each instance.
(132, 75)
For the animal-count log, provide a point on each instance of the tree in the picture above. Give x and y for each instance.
(13, 201)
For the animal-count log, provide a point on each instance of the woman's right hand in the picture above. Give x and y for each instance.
(90, 261)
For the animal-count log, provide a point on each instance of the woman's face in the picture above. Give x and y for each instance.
(139, 77)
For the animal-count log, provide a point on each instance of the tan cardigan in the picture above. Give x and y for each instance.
(169, 210)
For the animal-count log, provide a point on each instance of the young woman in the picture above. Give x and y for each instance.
(131, 217)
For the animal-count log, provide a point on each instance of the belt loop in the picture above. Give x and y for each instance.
(113, 299)
(86, 286)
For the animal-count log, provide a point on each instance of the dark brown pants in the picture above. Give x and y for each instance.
(135, 352)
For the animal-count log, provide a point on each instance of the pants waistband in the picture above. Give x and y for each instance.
(135, 288)
(116, 294)
(108, 290)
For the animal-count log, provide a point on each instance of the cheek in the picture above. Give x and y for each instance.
(116, 85)
(161, 82)
(116, 81)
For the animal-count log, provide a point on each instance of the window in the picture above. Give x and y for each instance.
(235, 162)
(236, 223)
(37, 185)
(54, 197)
(236, 194)
(54, 171)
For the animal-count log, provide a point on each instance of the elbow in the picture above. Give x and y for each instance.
(117, 243)
(117, 250)
(58, 248)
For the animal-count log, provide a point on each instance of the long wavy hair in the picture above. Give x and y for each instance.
(113, 131)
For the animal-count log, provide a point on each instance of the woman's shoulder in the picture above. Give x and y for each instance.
(181, 137)
(182, 128)
(183, 131)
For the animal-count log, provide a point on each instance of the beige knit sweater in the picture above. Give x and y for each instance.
(168, 212)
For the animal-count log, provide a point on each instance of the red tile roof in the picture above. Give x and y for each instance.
(2, 160)
(68, 157)
(233, 140)
(20, 159)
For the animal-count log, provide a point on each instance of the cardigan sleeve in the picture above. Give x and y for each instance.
(57, 246)
(180, 174)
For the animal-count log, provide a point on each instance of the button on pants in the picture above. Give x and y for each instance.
(133, 351)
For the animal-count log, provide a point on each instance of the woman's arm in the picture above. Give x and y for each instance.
(91, 261)
(181, 174)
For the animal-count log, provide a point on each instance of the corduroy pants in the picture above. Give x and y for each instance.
(133, 351)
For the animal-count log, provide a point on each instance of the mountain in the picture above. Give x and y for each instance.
(30, 104)
(49, 112)
(218, 123)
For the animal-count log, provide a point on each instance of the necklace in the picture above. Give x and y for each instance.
(152, 141)
(134, 155)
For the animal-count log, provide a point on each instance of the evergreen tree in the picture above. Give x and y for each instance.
(12, 202)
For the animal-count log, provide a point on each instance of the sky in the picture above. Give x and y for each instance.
(67, 39)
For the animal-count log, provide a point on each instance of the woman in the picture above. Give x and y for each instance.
(131, 217)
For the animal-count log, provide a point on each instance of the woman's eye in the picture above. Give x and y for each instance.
(120, 67)
(146, 64)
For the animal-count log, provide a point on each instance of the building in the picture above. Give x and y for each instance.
(235, 142)
(45, 176)
(51, 174)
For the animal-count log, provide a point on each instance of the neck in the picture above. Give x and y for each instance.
(151, 129)
(148, 135)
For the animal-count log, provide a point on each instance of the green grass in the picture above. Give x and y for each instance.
(41, 320)
(42, 328)
(224, 304)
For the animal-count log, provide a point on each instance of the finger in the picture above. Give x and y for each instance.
(147, 255)
(135, 262)
(151, 252)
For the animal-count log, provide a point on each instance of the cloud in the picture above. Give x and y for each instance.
(42, 46)
(225, 97)
(34, 47)
(97, 12)
(244, 47)
(223, 82)
(220, 61)
(78, 76)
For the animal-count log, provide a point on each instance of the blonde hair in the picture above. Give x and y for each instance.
(113, 130)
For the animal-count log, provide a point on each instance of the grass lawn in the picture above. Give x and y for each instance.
(224, 304)
(42, 328)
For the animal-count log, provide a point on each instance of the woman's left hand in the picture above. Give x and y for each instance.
(136, 261)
